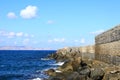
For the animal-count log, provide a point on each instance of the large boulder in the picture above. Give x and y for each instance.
(66, 67)
(76, 63)
(84, 71)
(112, 73)
(97, 74)
(73, 76)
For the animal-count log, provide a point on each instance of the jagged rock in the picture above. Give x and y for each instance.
(112, 73)
(86, 62)
(78, 68)
(66, 67)
(84, 71)
(50, 72)
(73, 76)
(97, 74)
(76, 63)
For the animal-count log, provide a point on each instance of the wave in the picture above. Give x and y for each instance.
(58, 71)
(58, 64)
(37, 79)
(45, 59)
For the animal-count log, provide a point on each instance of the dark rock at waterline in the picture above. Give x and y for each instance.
(50, 72)
(66, 67)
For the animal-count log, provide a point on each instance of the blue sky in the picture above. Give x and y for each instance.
(54, 24)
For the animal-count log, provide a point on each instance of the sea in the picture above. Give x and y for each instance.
(25, 64)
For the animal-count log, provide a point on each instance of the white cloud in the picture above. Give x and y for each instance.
(97, 32)
(80, 41)
(50, 22)
(3, 33)
(7, 34)
(11, 34)
(57, 40)
(19, 34)
(26, 41)
(15, 34)
(11, 15)
(26, 35)
(29, 12)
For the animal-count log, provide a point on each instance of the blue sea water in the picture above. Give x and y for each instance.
(24, 64)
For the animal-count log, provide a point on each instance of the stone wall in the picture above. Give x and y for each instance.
(88, 52)
(107, 48)
(85, 52)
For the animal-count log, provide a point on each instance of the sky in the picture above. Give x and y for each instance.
(54, 24)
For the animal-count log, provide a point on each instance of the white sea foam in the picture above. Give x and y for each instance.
(45, 59)
(59, 63)
(58, 71)
(37, 79)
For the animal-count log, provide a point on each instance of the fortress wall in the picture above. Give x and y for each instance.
(88, 52)
(107, 47)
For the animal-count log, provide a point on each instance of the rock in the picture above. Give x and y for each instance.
(83, 63)
(73, 76)
(99, 64)
(87, 62)
(84, 71)
(56, 78)
(76, 63)
(82, 77)
(112, 73)
(50, 72)
(66, 67)
(97, 74)
(112, 76)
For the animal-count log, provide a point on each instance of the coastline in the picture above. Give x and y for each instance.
(77, 68)
(96, 62)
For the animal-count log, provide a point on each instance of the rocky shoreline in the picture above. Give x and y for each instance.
(77, 68)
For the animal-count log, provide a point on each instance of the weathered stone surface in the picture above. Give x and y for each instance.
(112, 73)
(97, 74)
(107, 48)
(86, 52)
(108, 36)
(73, 76)
(50, 72)
(66, 67)
(84, 71)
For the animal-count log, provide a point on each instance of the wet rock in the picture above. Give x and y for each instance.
(66, 67)
(50, 72)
